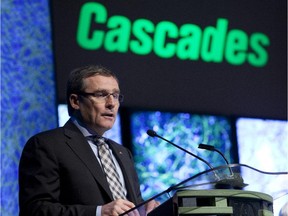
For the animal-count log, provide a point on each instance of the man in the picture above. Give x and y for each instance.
(61, 171)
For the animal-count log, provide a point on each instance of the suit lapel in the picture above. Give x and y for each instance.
(80, 146)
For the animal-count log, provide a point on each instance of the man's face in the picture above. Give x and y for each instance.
(98, 113)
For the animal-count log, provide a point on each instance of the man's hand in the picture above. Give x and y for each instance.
(151, 205)
(116, 207)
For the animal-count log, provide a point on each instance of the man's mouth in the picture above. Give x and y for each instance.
(110, 115)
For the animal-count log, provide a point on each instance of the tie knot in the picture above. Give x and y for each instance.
(99, 141)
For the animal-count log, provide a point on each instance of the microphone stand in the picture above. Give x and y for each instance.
(234, 181)
(212, 148)
(154, 134)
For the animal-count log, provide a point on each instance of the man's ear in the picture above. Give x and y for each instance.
(74, 101)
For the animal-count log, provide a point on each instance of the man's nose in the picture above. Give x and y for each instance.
(110, 100)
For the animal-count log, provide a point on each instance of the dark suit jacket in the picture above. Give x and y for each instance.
(60, 175)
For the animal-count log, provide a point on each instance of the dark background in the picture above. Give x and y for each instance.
(151, 82)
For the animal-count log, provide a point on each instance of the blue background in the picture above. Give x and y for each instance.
(27, 87)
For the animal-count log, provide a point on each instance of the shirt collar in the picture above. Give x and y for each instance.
(84, 130)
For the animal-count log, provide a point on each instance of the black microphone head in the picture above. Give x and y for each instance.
(207, 147)
(151, 133)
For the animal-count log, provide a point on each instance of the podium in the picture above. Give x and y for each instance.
(220, 191)
(217, 202)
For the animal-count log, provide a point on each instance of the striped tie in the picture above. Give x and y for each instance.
(109, 168)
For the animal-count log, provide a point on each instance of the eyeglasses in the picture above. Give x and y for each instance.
(102, 96)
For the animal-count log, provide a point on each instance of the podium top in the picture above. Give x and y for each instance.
(234, 177)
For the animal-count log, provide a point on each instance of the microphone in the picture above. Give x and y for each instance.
(152, 133)
(234, 181)
(212, 148)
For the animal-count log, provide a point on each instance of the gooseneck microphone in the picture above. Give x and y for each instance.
(154, 134)
(212, 148)
(235, 180)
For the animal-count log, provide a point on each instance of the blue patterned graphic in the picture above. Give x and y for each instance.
(27, 87)
(161, 165)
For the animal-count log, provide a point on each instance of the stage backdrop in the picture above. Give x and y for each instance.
(27, 88)
(224, 57)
